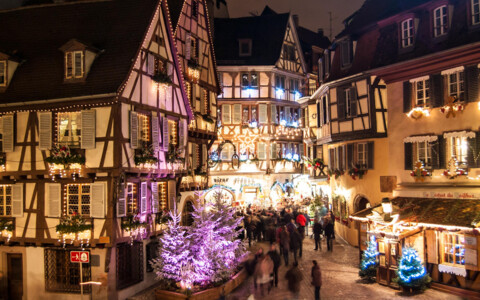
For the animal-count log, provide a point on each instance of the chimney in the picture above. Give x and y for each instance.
(320, 31)
(296, 20)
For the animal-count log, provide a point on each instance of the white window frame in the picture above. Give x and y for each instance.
(80, 201)
(440, 20)
(475, 11)
(458, 148)
(423, 152)
(449, 241)
(73, 140)
(421, 101)
(3, 73)
(72, 55)
(227, 152)
(362, 154)
(407, 32)
(4, 205)
(456, 84)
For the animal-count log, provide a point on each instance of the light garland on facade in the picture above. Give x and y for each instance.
(418, 112)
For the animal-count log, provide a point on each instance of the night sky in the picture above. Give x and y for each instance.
(313, 13)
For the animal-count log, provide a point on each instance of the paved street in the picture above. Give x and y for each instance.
(339, 274)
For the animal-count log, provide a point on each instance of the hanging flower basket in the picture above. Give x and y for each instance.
(145, 156)
(316, 163)
(162, 78)
(357, 172)
(336, 172)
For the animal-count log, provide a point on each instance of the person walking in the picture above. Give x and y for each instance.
(301, 222)
(316, 279)
(263, 270)
(250, 226)
(295, 243)
(285, 242)
(307, 223)
(317, 231)
(329, 232)
(294, 277)
(276, 259)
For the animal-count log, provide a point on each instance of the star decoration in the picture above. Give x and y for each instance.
(247, 141)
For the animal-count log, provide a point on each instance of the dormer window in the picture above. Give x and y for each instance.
(407, 33)
(346, 52)
(440, 21)
(74, 64)
(3, 73)
(245, 47)
(289, 52)
(475, 12)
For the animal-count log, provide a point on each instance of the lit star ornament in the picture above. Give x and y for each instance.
(247, 141)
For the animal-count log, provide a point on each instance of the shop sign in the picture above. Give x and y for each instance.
(471, 257)
(471, 240)
(220, 180)
(451, 195)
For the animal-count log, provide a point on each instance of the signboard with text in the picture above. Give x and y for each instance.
(79, 256)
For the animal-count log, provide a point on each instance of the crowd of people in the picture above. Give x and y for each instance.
(285, 231)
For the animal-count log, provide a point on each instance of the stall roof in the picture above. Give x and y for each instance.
(441, 212)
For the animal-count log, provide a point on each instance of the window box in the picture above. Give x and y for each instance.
(162, 78)
(145, 157)
(73, 227)
(357, 171)
(64, 159)
(174, 154)
(135, 228)
(336, 172)
(6, 228)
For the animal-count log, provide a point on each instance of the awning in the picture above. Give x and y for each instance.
(463, 214)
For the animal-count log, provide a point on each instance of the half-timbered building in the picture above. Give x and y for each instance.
(261, 71)
(430, 65)
(94, 120)
(194, 43)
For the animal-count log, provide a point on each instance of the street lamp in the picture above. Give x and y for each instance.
(387, 208)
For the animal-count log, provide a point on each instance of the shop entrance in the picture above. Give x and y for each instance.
(15, 276)
(388, 261)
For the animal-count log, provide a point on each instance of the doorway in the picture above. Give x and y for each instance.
(361, 204)
(187, 219)
(15, 276)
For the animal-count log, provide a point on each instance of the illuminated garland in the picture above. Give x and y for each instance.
(134, 227)
(369, 263)
(411, 272)
(6, 228)
(418, 112)
(73, 228)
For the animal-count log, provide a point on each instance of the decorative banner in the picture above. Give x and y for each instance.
(453, 270)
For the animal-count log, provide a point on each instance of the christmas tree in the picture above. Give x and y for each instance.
(173, 260)
(369, 263)
(411, 272)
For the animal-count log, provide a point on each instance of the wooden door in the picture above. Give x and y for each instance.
(15, 276)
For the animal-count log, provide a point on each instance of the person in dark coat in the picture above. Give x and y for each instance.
(316, 279)
(275, 257)
(295, 243)
(317, 231)
(307, 224)
(250, 226)
(329, 232)
(294, 277)
(285, 243)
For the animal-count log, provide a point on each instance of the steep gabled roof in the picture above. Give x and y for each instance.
(267, 33)
(310, 38)
(36, 33)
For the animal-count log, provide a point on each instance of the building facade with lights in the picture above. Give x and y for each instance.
(261, 71)
(193, 36)
(94, 119)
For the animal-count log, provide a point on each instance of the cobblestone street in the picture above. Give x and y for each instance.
(339, 275)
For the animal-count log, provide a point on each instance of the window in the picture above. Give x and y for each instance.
(173, 131)
(422, 92)
(237, 114)
(423, 153)
(227, 152)
(131, 198)
(226, 114)
(245, 117)
(453, 248)
(456, 84)
(249, 80)
(129, 264)
(280, 82)
(193, 48)
(362, 157)
(289, 52)
(326, 62)
(74, 64)
(162, 196)
(475, 12)
(245, 47)
(440, 24)
(195, 9)
(346, 52)
(294, 85)
(61, 275)
(5, 200)
(144, 126)
(69, 129)
(458, 147)
(407, 33)
(78, 199)
(350, 102)
(152, 253)
(324, 110)
(3, 72)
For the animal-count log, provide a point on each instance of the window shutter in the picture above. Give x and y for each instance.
(477, 149)
(350, 156)
(122, 202)
(408, 154)
(226, 115)
(301, 150)
(262, 153)
(88, 129)
(341, 157)
(182, 133)
(155, 134)
(340, 104)
(407, 96)
(68, 65)
(17, 200)
(166, 134)
(435, 154)
(237, 113)
(204, 156)
(471, 78)
(150, 64)
(273, 150)
(203, 100)
(331, 158)
(97, 200)
(471, 144)
(172, 193)
(53, 195)
(262, 113)
(155, 205)
(371, 156)
(273, 114)
(45, 130)
(8, 133)
(194, 156)
(188, 46)
(288, 115)
(134, 142)
(78, 64)
(436, 91)
(143, 197)
(353, 102)
(442, 148)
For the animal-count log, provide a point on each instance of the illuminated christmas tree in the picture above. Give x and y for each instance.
(411, 272)
(369, 263)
